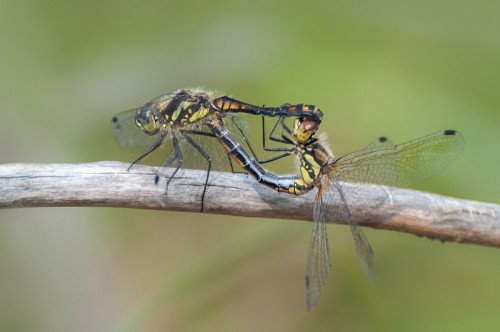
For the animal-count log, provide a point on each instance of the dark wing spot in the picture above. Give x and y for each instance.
(115, 123)
(450, 132)
(382, 139)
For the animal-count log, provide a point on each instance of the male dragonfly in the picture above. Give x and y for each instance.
(185, 120)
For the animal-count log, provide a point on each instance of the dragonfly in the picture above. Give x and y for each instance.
(380, 163)
(185, 121)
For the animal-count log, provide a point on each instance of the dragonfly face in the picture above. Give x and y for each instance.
(304, 130)
(147, 120)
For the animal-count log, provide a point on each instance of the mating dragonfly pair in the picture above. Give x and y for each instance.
(204, 130)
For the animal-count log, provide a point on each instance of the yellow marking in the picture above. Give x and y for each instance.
(176, 113)
(313, 164)
(201, 113)
(183, 106)
(301, 135)
(234, 106)
(294, 190)
(306, 176)
(290, 190)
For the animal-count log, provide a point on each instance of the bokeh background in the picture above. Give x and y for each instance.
(396, 68)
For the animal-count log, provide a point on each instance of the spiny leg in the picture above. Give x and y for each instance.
(204, 133)
(204, 154)
(178, 157)
(151, 149)
(285, 140)
(247, 143)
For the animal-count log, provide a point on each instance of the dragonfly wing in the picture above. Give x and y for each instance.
(382, 163)
(331, 205)
(427, 156)
(204, 138)
(400, 165)
(336, 205)
(318, 259)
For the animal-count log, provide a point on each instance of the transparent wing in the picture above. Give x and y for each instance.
(195, 156)
(400, 165)
(381, 162)
(206, 141)
(319, 260)
(129, 137)
(364, 251)
(336, 206)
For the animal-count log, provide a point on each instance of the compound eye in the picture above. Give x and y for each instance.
(304, 130)
(309, 125)
(147, 121)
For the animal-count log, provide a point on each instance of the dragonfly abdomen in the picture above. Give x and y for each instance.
(227, 104)
(289, 184)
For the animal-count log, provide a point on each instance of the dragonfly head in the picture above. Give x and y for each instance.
(147, 120)
(304, 130)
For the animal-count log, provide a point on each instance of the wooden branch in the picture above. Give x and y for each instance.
(110, 184)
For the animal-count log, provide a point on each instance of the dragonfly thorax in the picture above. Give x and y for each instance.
(174, 111)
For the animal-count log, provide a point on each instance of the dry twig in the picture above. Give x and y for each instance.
(110, 184)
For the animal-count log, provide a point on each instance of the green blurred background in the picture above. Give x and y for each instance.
(396, 68)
